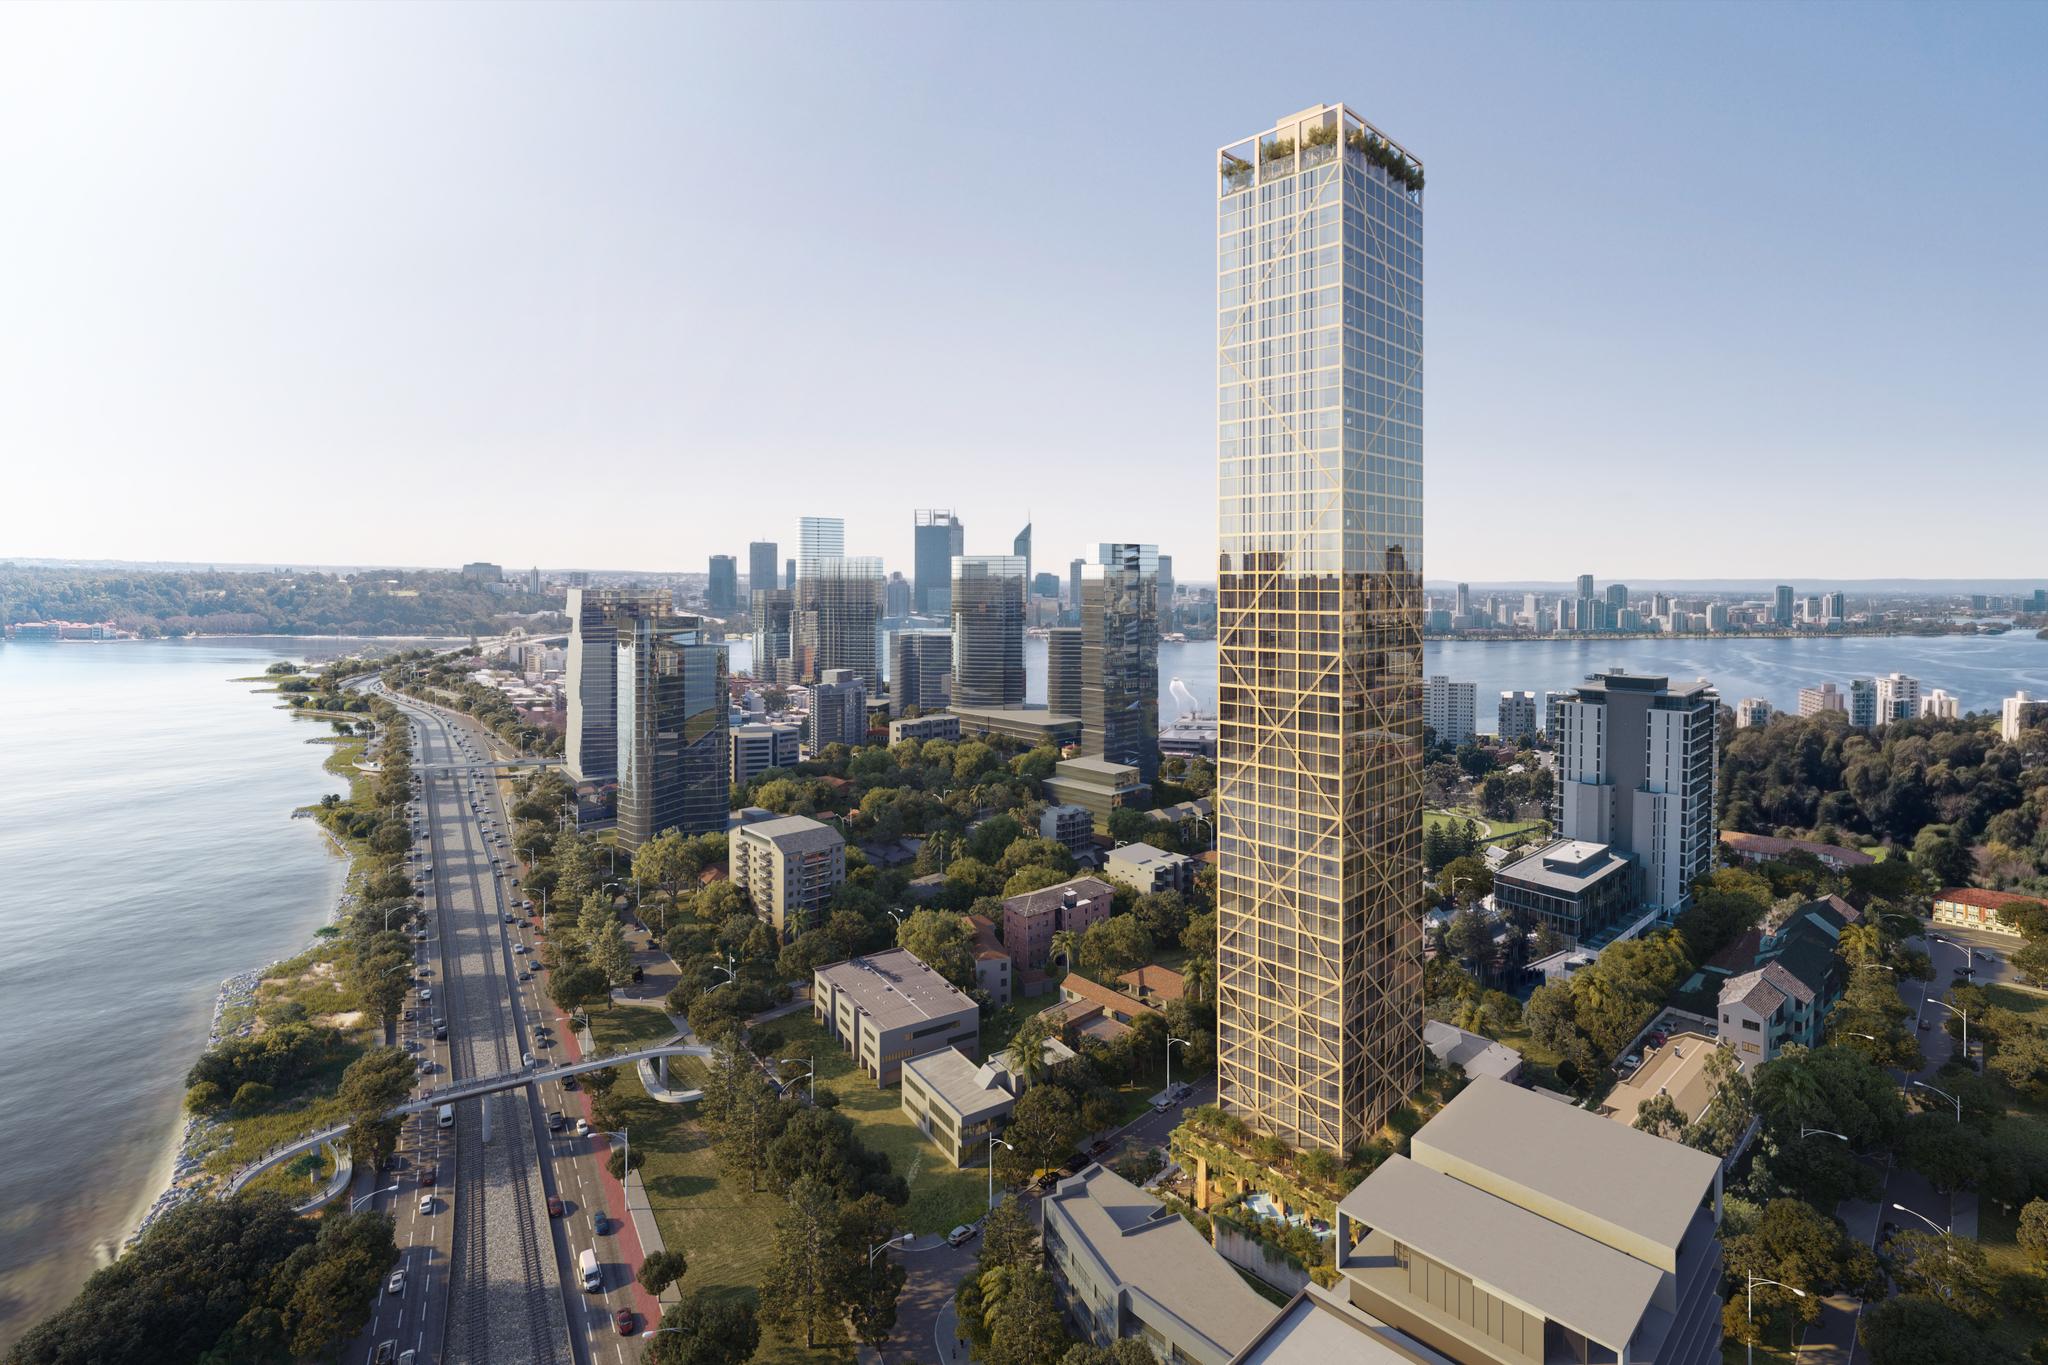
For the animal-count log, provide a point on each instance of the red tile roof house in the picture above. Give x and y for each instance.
(1762, 848)
(1967, 907)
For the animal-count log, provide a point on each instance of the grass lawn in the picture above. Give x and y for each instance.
(1492, 831)
(2032, 1004)
(726, 1231)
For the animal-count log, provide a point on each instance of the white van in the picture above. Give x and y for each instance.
(447, 1116)
(593, 1278)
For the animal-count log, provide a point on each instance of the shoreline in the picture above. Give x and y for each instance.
(178, 1176)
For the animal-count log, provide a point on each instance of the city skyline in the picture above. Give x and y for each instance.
(276, 357)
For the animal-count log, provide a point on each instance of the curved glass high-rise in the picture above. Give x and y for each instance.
(1319, 627)
(988, 630)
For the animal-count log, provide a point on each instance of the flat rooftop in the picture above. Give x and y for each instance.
(795, 834)
(895, 988)
(967, 1087)
(1568, 866)
(1677, 1069)
(1503, 1138)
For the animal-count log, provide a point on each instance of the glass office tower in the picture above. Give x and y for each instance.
(988, 630)
(1063, 671)
(937, 536)
(920, 670)
(839, 618)
(1319, 627)
(1120, 657)
(673, 750)
(591, 746)
(819, 539)
(761, 555)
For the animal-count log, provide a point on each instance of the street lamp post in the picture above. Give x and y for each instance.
(1749, 1312)
(1944, 1231)
(626, 1161)
(1969, 968)
(877, 1250)
(730, 974)
(1169, 1064)
(993, 1143)
(896, 915)
(812, 1073)
(1806, 1132)
(1945, 1095)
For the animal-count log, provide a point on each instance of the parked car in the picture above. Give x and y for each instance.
(554, 1207)
(623, 1320)
(427, 1178)
(961, 1235)
(583, 1128)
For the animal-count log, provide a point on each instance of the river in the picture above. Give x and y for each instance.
(1980, 670)
(147, 852)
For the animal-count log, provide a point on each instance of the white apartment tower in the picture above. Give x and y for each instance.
(1519, 716)
(1898, 698)
(1450, 709)
(1635, 771)
(1826, 697)
(2019, 711)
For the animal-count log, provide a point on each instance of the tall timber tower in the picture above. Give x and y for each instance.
(1319, 627)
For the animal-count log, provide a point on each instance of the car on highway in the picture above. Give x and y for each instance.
(525, 975)
(387, 1351)
(583, 1128)
(555, 1121)
(623, 1320)
(441, 1033)
(961, 1235)
(396, 1284)
(427, 1177)
(527, 1058)
(519, 947)
(427, 1203)
(554, 1206)
(426, 995)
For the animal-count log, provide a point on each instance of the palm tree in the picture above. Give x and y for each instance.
(1066, 946)
(1026, 1053)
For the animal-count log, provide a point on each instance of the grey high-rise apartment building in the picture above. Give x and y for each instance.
(988, 630)
(673, 748)
(896, 597)
(1120, 657)
(1063, 671)
(936, 538)
(1585, 585)
(591, 747)
(761, 560)
(1319, 628)
(1074, 589)
(722, 591)
(1635, 770)
(789, 574)
(1781, 605)
(920, 670)
(819, 539)
(839, 618)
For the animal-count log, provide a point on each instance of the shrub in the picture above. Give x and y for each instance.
(204, 1098)
(252, 1095)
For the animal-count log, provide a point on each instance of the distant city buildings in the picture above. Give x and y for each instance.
(839, 710)
(1448, 709)
(920, 670)
(722, 590)
(774, 620)
(1063, 670)
(1863, 703)
(672, 705)
(1939, 705)
(591, 744)
(987, 600)
(1120, 657)
(839, 618)
(2017, 712)
(1520, 716)
(937, 536)
(482, 571)
(1898, 698)
(1813, 701)
(818, 539)
(760, 746)
(1752, 711)
(1636, 771)
(761, 557)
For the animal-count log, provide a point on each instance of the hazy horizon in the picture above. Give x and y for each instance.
(322, 283)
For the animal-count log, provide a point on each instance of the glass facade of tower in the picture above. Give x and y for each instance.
(1319, 628)
(937, 536)
(591, 747)
(1120, 657)
(920, 670)
(1063, 671)
(839, 618)
(672, 729)
(988, 630)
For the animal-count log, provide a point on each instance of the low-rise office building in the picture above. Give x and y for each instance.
(1968, 907)
(959, 1104)
(939, 725)
(789, 867)
(1518, 1231)
(1071, 827)
(1764, 848)
(888, 1007)
(1098, 785)
(1033, 725)
(759, 747)
(1583, 891)
(1146, 869)
(1127, 1267)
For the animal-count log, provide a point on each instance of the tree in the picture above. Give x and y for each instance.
(1122, 1351)
(661, 1269)
(627, 1156)
(574, 987)
(1022, 1314)
(873, 1280)
(1951, 1270)
(1661, 1116)
(2022, 1063)
(1115, 945)
(802, 1288)
(1007, 1236)
(1044, 1127)
(752, 1119)
(610, 955)
(942, 941)
(331, 1300)
(705, 1329)
(1026, 1053)
(2033, 1231)
(1916, 1330)
(1950, 1154)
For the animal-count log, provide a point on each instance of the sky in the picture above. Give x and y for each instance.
(1735, 290)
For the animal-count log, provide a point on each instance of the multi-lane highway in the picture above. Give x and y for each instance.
(494, 1211)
